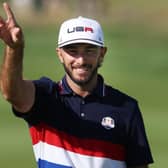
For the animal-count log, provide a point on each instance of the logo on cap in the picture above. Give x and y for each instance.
(108, 122)
(79, 29)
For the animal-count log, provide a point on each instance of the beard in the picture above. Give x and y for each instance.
(82, 82)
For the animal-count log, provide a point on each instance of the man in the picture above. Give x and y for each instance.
(78, 122)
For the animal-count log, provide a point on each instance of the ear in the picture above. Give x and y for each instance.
(102, 53)
(59, 54)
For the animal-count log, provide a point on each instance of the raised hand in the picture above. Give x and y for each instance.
(10, 32)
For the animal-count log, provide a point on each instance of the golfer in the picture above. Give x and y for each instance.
(79, 121)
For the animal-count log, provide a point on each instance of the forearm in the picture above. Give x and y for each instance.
(20, 93)
(16, 90)
(11, 72)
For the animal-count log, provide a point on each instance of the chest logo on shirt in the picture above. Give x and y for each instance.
(108, 123)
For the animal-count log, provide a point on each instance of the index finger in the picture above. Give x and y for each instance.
(8, 11)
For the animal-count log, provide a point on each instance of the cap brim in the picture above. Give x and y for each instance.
(87, 41)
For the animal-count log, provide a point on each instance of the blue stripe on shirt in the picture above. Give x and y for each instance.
(45, 164)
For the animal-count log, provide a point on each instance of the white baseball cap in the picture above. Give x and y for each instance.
(80, 30)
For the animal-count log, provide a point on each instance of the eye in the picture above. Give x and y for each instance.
(71, 51)
(91, 51)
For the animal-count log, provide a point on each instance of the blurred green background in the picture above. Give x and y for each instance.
(136, 34)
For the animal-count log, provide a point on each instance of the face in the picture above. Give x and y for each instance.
(81, 61)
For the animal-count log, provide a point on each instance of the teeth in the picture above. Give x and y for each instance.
(82, 69)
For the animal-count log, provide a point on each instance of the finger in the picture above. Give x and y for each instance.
(8, 11)
(15, 35)
(1, 21)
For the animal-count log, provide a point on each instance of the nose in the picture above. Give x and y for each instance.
(81, 57)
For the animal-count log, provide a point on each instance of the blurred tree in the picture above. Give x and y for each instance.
(38, 5)
(92, 8)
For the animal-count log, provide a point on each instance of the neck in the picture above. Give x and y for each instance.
(82, 90)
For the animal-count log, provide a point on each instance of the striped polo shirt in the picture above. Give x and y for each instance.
(103, 130)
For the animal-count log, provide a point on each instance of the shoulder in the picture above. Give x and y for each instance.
(45, 84)
(118, 97)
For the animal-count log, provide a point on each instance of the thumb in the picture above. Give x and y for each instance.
(17, 36)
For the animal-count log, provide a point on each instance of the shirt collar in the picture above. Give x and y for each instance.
(98, 91)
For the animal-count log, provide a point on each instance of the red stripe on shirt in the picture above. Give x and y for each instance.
(90, 147)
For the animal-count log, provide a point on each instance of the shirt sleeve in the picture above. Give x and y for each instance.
(44, 88)
(138, 149)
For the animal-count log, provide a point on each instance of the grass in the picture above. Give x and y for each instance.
(136, 63)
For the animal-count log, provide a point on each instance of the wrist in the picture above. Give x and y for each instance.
(16, 51)
(16, 46)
